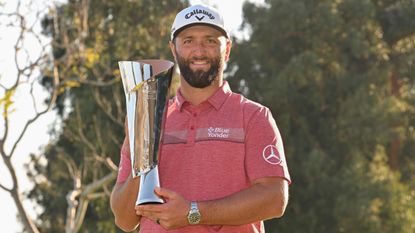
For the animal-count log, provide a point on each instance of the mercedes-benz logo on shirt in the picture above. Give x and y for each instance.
(271, 155)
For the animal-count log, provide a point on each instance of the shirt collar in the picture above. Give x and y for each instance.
(216, 100)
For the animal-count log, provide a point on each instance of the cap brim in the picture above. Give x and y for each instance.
(204, 24)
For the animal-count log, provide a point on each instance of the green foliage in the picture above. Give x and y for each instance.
(6, 102)
(384, 203)
(326, 70)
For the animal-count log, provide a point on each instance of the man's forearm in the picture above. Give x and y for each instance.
(265, 199)
(122, 201)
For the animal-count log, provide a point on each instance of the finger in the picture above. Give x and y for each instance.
(150, 215)
(139, 213)
(143, 211)
(149, 208)
(165, 193)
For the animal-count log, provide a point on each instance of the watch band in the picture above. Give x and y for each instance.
(193, 205)
(194, 214)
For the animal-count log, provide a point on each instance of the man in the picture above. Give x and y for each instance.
(222, 165)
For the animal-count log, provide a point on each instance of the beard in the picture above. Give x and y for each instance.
(199, 78)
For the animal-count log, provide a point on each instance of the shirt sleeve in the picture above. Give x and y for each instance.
(264, 148)
(124, 168)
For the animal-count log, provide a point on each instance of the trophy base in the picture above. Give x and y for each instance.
(148, 182)
(150, 203)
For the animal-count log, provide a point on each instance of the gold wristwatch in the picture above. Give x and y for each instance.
(194, 215)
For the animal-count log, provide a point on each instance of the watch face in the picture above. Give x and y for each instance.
(194, 217)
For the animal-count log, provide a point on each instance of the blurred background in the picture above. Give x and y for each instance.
(338, 76)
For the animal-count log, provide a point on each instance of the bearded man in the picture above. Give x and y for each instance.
(222, 165)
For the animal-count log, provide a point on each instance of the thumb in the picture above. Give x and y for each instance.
(164, 193)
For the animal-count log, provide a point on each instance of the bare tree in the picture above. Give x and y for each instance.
(27, 68)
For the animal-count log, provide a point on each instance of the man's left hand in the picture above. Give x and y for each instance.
(170, 215)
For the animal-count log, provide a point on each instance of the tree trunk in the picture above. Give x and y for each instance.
(78, 200)
(15, 193)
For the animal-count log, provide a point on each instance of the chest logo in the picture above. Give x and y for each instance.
(218, 132)
(271, 155)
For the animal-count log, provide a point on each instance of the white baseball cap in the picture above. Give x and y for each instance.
(198, 14)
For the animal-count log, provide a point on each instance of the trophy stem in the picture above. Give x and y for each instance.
(148, 182)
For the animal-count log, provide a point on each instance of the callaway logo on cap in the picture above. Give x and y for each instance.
(198, 14)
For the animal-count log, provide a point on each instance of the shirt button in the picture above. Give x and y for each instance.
(195, 114)
(192, 128)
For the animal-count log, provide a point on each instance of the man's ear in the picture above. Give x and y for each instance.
(173, 49)
(228, 49)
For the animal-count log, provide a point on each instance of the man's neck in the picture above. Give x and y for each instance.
(195, 96)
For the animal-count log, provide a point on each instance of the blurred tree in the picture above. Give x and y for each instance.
(339, 77)
(89, 38)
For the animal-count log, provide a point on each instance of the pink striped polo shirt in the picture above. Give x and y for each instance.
(213, 150)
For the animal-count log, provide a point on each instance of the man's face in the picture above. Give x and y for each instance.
(200, 52)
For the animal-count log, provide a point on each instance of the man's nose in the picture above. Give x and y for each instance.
(199, 47)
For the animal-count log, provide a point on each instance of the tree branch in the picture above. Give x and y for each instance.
(5, 188)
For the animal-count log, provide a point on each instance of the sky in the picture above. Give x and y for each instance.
(37, 136)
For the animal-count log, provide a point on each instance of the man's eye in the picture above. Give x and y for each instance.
(211, 41)
(188, 41)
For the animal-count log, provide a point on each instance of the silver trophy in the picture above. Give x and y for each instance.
(146, 86)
